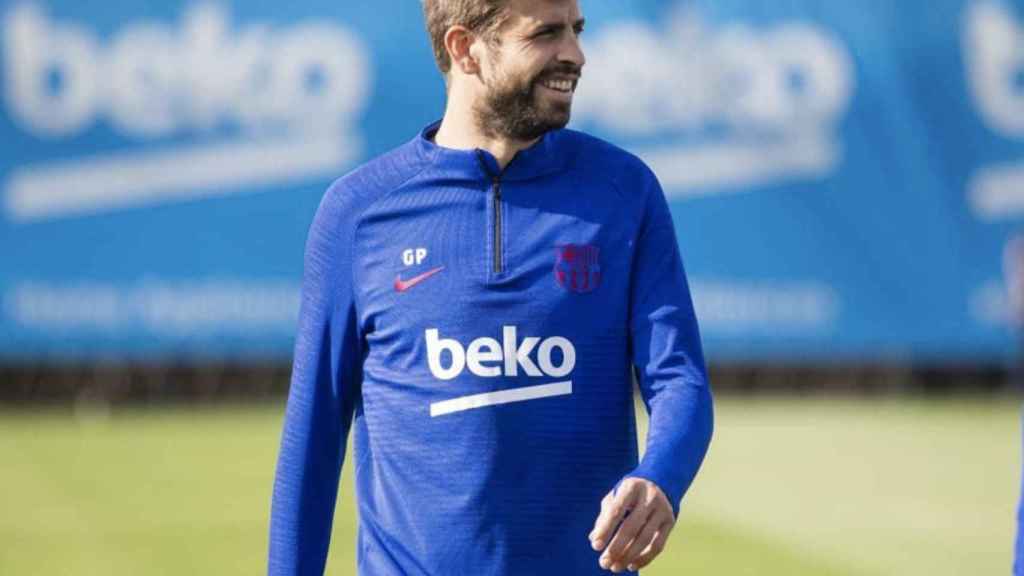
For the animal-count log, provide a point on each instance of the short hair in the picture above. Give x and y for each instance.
(478, 16)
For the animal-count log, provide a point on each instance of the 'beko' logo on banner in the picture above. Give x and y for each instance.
(289, 98)
(715, 109)
(993, 45)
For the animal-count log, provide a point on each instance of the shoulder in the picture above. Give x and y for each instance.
(608, 161)
(600, 160)
(350, 195)
(599, 155)
(375, 178)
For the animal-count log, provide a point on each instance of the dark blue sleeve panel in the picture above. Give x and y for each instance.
(667, 355)
(324, 388)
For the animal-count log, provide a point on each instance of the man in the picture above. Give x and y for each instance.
(474, 304)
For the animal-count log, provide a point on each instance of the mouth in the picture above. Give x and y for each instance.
(562, 85)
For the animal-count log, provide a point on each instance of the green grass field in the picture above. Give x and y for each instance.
(791, 487)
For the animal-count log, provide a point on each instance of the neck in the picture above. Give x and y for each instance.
(460, 130)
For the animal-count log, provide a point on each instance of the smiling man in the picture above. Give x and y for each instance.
(476, 304)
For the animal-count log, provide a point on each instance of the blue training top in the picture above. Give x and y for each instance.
(479, 329)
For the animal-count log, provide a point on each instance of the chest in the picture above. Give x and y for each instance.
(474, 254)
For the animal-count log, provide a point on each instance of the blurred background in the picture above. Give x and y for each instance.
(847, 182)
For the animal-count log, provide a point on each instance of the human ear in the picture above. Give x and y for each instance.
(460, 42)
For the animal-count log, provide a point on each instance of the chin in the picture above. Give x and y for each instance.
(558, 119)
(555, 112)
(560, 122)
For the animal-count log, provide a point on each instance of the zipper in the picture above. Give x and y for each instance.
(497, 225)
(497, 267)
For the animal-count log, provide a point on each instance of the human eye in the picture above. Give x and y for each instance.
(546, 32)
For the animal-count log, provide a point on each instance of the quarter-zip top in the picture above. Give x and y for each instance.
(489, 389)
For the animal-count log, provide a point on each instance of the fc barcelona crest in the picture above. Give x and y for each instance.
(578, 267)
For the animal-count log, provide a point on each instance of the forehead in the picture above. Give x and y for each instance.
(526, 13)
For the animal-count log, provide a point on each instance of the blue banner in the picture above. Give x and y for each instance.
(845, 177)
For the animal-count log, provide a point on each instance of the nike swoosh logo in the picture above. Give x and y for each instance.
(403, 285)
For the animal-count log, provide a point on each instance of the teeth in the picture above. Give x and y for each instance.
(560, 85)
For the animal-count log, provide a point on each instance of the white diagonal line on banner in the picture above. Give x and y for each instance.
(100, 184)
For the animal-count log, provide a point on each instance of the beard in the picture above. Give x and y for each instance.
(510, 108)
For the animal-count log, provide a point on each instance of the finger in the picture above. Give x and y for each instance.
(613, 509)
(652, 550)
(626, 533)
(642, 540)
(652, 508)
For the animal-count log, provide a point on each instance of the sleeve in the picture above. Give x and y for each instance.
(667, 355)
(325, 383)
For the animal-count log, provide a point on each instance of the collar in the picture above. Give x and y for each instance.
(543, 157)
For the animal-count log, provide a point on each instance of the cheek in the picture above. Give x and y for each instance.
(522, 78)
(530, 63)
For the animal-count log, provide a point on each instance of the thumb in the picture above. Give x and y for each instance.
(614, 508)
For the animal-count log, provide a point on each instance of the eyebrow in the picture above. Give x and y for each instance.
(557, 25)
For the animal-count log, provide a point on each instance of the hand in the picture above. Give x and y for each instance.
(646, 519)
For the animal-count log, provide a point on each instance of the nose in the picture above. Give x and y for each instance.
(572, 51)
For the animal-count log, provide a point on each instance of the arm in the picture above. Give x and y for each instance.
(324, 388)
(668, 358)
(669, 365)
